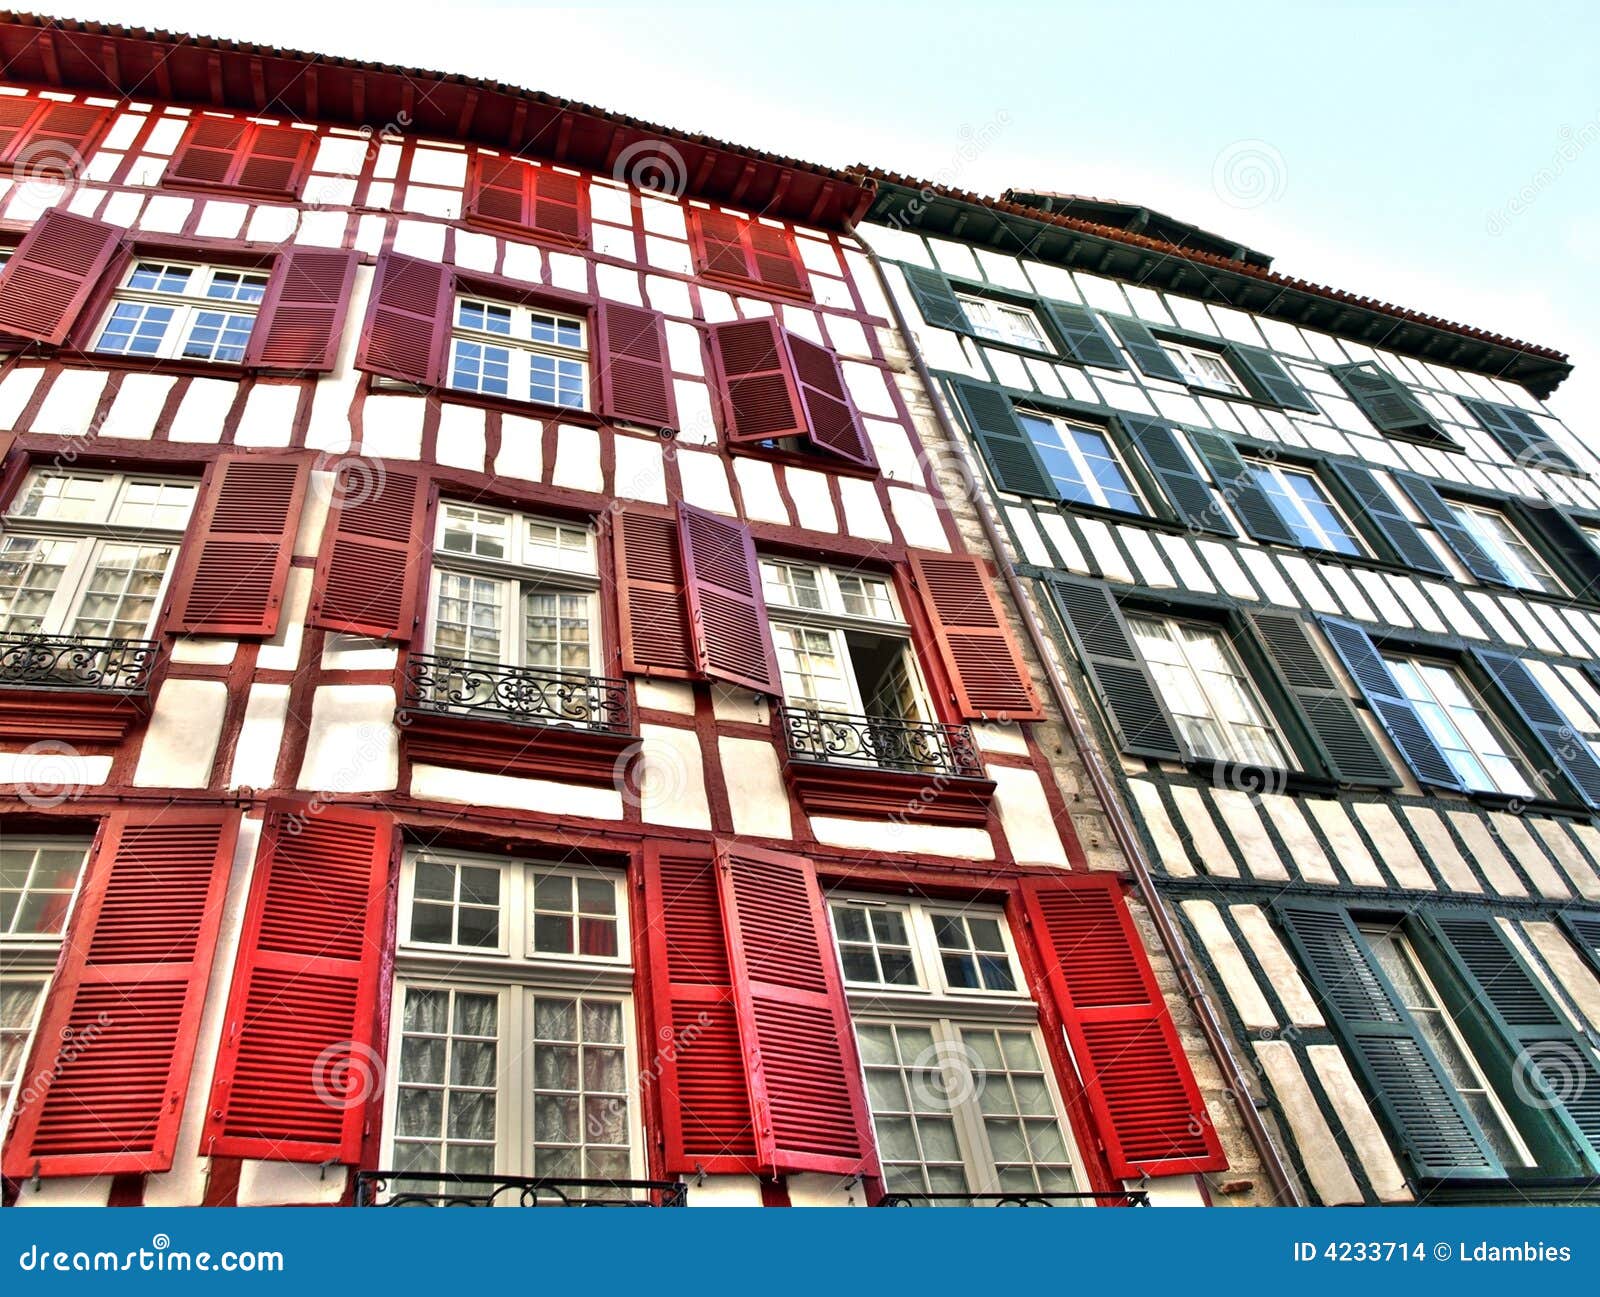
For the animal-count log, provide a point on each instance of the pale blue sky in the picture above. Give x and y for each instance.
(1394, 137)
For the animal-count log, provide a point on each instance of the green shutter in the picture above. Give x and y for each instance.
(1007, 449)
(1519, 436)
(1567, 539)
(1392, 708)
(1104, 644)
(1342, 739)
(936, 299)
(1383, 398)
(1188, 492)
(1438, 512)
(1413, 1092)
(1267, 379)
(1081, 336)
(1240, 488)
(1377, 509)
(1147, 353)
(1583, 926)
(1554, 731)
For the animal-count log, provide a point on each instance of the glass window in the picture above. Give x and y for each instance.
(580, 1088)
(38, 877)
(171, 310)
(1204, 368)
(527, 355)
(1519, 563)
(1082, 463)
(447, 1106)
(21, 1000)
(913, 1115)
(972, 952)
(456, 905)
(874, 944)
(1463, 728)
(1315, 520)
(575, 914)
(1003, 322)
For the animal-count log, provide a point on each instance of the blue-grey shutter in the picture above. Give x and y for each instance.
(936, 299)
(1164, 455)
(1379, 511)
(1383, 398)
(1437, 1136)
(1554, 731)
(1568, 540)
(1392, 708)
(1082, 337)
(1004, 443)
(1519, 436)
(1583, 926)
(1267, 379)
(1241, 489)
(1099, 632)
(1433, 506)
(1147, 353)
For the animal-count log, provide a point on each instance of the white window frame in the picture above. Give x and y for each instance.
(522, 346)
(1064, 428)
(40, 980)
(1286, 496)
(926, 954)
(11, 941)
(186, 306)
(992, 319)
(1189, 359)
(1519, 562)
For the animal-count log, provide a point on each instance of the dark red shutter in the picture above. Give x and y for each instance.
(831, 416)
(111, 1062)
(408, 321)
(556, 209)
(775, 260)
(44, 135)
(299, 1054)
(302, 311)
(208, 152)
(52, 273)
(1146, 1104)
(719, 244)
(760, 400)
(15, 115)
(372, 553)
(805, 1081)
(987, 676)
(727, 609)
(241, 155)
(536, 200)
(273, 159)
(497, 190)
(232, 583)
(652, 607)
(747, 252)
(635, 376)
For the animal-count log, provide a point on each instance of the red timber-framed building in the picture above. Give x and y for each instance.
(491, 690)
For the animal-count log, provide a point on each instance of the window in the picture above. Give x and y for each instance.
(21, 1000)
(1003, 322)
(1517, 560)
(1300, 499)
(519, 352)
(1208, 692)
(1080, 460)
(1202, 368)
(89, 554)
(179, 311)
(38, 877)
(1463, 728)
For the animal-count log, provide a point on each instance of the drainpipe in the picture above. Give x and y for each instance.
(1122, 828)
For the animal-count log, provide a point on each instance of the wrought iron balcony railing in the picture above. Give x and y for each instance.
(88, 662)
(920, 747)
(1022, 1198)
(448, 1189)
(523, 695)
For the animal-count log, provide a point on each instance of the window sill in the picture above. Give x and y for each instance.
(821, 462)
(755, 286)
(578, 243)
(78, 358)
(1260, 780)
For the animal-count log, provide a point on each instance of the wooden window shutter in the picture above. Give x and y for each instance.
(209, 151)
(1382, 397)
(1147, 353)
(1433, 506)
(557, 210)
(1412, 1091)
(43, 135)
(1191, 499)
(705, 1098)
(1519, 436)
(1267, 379)
(512, 193)
(727, 609)
(111, 1062)
(806, 1094)
(1006, 447)
(1343, 743)
(747, 252)
(1392, 708)
(652, 602)
(299, 1056)
(1140, 721)
(1583, 926)
(497, 190)
(301, 319)
(1082, 337)
(1377, 509)
(718, 244)
(988, 679)
(937, 301)
(235, 154)
(1150, 1114)
(52, 273)
(1565, 537)
(373, 552)
(636, 375)
(242, 543)
(831, 419)
(760, 399)
(407, 328)
(775, 260)
(1556, 734)
(1237, 482)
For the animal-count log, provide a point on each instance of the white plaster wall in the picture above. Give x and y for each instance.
(352, 745)
(180, 741)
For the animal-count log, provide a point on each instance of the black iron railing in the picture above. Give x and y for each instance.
(524, 695)
(1130, 1198)
(924, 747)
(87, 662)
(448, 1189)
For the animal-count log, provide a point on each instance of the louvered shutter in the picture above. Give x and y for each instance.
(299, 1054)
(241, 543)
(1148, 354)
(301, 318)
(44, 136)
(1583, 926)
(1382, 397)
(1377, 509)
(1568, 540)
(805, 1084)
(704, 1094)
(408, 321)
(1393, 709)
(1191, 499)
(556, 209)
(936, 299)
(775, 260)
(1148, 1110)
(528, 199)
(15, 114)
(1005, 445)
(652, 605)
(831, 419)
(240, 155)
(636, 376)
(1342, 740)
(719, 245)
(111, 1062)
(1413, 1092)
(373, 552)
(1556, 734)
(759, 398)
(1519, 436)
(50, 276)
(1139, 719)
(1081, 335)
(727, 610)
(1267, 379)
(273, 159)
(209, 151)
(1433, 506)
(1241, 489)
(497, 190)
(988, 679)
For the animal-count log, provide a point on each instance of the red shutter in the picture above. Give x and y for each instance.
(299, 1051)
(805, 1081)
(705, 1100)
(372, 550)
(408, 321)
(234, 153)
(557, 210)
(635, 376)
(15, 115)
(113, 1052)
(759, 396)
(497, 190)
(243, 540)
(652, 607)
(1144, 1098)
(727, 610)
(775, 260)
(830, 414)
(719, 244)
(273, 158)
(46, 135)
(207, 154)
(987, 676)
(51, 274)
(528, 199)
(302, 312)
